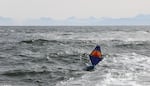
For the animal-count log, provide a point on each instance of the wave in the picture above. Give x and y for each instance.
(57, 41)
(34, 41)
(43, 42)
(134, 45)
(24, 72)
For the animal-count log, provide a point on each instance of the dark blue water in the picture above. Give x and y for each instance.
(56, 56)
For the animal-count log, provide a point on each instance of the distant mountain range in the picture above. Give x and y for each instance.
(46, 21)
(6, 21)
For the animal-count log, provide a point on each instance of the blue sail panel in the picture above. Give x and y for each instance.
(95, 60)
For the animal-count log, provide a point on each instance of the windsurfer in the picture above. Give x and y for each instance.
(95, 57)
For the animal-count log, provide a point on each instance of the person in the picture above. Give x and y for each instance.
(95, 57)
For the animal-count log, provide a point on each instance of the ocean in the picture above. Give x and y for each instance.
(57, 55)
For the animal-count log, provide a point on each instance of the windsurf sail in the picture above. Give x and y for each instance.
(96, 55)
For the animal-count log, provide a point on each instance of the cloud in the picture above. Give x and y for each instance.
(6, 21)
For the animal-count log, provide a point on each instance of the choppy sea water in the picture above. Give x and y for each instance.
(56, 56)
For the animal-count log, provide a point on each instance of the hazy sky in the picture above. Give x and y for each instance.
(62, 9)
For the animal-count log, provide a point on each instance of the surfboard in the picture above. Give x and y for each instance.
(95, 57)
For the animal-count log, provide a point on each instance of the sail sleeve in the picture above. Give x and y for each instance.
(96, 55)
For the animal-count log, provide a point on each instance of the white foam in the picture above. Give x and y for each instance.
(132, 66)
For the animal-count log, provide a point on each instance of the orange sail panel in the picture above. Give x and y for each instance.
(96, 53)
